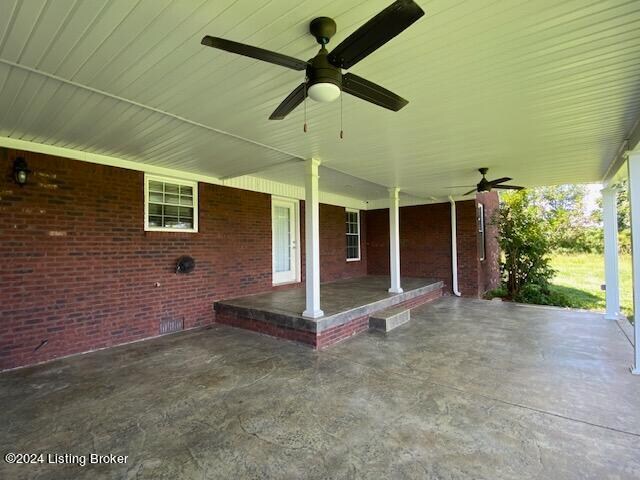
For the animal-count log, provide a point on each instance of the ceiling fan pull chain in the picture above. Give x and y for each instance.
(341, 131)
(305, 106)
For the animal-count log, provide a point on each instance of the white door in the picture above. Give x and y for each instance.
(284, 225)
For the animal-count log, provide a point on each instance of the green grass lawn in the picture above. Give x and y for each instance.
(579, 277)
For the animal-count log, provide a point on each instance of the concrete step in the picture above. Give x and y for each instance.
(386, 320)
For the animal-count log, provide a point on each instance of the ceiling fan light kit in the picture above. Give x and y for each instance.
(324, 92)
(325, 80)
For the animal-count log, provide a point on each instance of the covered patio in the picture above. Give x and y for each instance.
(467, 389)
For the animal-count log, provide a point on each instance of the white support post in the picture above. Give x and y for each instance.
(312, 239)
(633, 164)
(610, 225)
(394, 239)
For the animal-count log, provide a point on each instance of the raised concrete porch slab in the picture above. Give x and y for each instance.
(347, 305)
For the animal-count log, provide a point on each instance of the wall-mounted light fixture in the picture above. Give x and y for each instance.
(20, 171)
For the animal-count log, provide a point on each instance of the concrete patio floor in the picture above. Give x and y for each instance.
(467, 389)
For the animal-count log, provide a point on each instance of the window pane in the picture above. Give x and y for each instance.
(185, 213)
(155, 186)
(186, 201)
(172, 199)
(156, 197)
(155, 209)
(171, 188)
(155, 221)
(171, 211)
(282, 238)
(171, 222)
(184, 190)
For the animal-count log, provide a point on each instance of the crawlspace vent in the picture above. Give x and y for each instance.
(169, 325)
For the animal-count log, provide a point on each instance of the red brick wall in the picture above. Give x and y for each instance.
(489, 272)
(80, 271)
(425, 245)
(425, 242)
(333, 245)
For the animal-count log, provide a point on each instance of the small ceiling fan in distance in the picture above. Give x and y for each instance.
(324, 78)
(485, 185)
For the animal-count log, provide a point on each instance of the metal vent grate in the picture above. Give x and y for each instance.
(169, 325)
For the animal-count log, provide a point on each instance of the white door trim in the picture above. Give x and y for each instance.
(295, 275)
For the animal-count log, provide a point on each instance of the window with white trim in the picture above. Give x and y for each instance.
(481, 233)
(170, 204)
(353, 235)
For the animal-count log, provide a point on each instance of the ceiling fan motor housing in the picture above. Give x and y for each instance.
(321, 71)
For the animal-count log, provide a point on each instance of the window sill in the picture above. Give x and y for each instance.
(171, 230)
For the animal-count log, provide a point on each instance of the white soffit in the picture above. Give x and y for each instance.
(544, 92)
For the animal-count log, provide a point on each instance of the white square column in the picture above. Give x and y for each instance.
(394, 239)
(610, 225)
(633, 164)
(312, 239)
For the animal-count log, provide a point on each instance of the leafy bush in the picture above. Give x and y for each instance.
(525, 241)
(539, 295)
(624, 241)
(499, 292)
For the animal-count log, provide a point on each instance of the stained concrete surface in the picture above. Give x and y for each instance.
(467, 389)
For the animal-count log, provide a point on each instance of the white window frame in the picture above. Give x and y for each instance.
(482, 232)
(179, 181)
(357, 212)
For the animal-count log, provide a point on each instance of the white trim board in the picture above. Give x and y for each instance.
(247, 182)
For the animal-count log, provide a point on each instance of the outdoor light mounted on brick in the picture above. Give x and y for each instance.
(185, 264)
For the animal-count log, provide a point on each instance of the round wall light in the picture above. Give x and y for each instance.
(20, 171)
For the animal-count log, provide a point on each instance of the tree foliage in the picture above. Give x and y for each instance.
(562, 207)
(525, 241)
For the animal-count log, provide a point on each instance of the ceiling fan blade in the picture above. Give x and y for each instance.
(469, 192)
(254, 52)
(375, 33)
(499, 180)
(508, 187)
(289, 104)
(371, 92)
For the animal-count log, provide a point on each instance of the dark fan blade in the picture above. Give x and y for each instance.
(499, 180)
(254, 52)
(509, 187)
(470, 191)
(289, 104)
(375, 33)
(369, 91)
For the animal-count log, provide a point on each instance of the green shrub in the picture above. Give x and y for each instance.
(499, 292)
(539, 295)
(525, 242)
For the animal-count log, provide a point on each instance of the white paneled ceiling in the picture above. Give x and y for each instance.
(544, 92)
